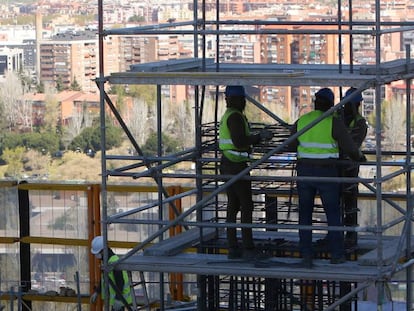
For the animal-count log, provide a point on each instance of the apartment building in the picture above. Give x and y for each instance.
(20, 37)
(73, 56)
(315, 48)
(72, 106)
(11, 59)
(69, 57)
(136, 50)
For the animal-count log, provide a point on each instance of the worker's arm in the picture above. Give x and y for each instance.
(359, 132)
(119, 281)
(293, 145)
(97, 288)
(236, 125)
(345, 142)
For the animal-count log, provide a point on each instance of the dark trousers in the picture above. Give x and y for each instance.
(330, 194)
(350, 199)
(239, 199)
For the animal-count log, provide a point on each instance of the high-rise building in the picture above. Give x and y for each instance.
(11, 59)
(68, 58)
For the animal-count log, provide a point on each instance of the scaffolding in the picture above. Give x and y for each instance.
(278, 283)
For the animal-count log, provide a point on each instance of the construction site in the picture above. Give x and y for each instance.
(169, 225)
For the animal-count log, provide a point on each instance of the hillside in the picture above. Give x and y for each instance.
(75, 167)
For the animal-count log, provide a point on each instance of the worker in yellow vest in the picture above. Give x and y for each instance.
(318, 151)
(119, 278)
(235, 143)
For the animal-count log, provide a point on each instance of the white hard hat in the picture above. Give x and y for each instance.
(97, 245)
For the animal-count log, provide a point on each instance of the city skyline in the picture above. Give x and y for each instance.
(68, 53)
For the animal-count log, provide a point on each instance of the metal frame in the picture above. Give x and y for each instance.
(200, 72)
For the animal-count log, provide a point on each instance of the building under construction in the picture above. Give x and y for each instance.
(383, 252)
(170, 224)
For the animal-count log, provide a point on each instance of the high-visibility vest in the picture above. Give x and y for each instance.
(126, 290)
(226, 145)
(317, 142)
(355, 120)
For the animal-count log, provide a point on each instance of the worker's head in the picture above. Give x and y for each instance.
(324, 99)
(235, 97)
(97, 246)
(235, 90)
(353, 102)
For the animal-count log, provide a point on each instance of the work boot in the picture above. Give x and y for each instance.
(234, 253)
(307, 262)
(253, 254)
(339, 260)
(351, 239)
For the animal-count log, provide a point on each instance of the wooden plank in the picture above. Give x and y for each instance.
(178, 243)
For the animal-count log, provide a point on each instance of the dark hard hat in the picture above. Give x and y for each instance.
(327, 94)
(357, 98)
(234, 90)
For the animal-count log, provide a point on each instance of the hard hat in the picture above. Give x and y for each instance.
(326, 93)
(97, 245)
(357, 98)
(234, 90)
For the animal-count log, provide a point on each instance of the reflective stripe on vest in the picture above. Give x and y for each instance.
(317, 142)
(226, 145)
(126, 290)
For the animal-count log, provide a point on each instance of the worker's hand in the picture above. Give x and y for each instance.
(118, 305)
(362, 157)
(266, 135)
(94, 297)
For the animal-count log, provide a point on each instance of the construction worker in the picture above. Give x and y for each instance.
(235, 143)
(357, 127)
(119, 278)
(318, 153)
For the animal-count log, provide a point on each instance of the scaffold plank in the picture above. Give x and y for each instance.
(275, 267)
(263, 74)
(389, 252)
(178, 243)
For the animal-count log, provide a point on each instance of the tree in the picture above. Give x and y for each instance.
(74, 85)
(394, 124)
(59, 84)
(120, 92)
(148, 93)
(87, 139)
(169, 145)
(35, 160)
(137, 120)
(17, 110)
(25, 80)
(14, 160)
(136, 19)
(47, 142)
(52, 111)
(184, 121)
(114, 136)
(40, 87)
(79, 120)
(90, 138)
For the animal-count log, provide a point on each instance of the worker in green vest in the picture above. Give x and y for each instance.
(318, 151)
(119, 278)
(235, 143)
(357, 127)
